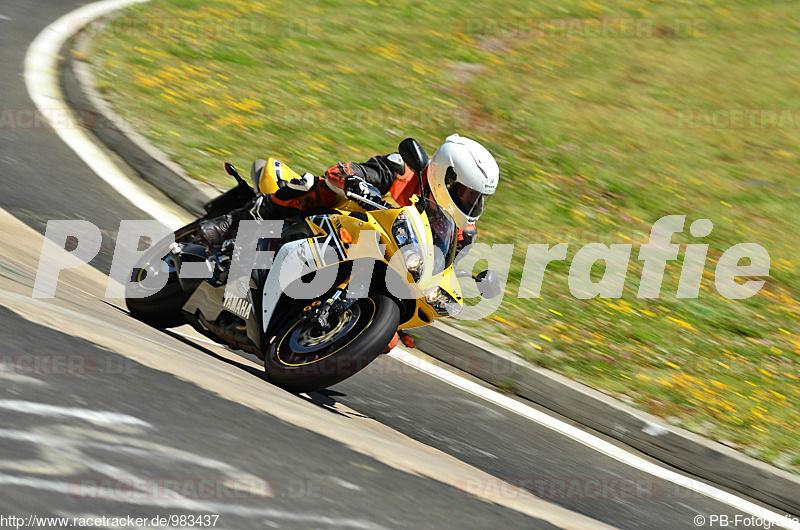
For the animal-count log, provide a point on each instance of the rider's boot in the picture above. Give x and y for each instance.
(293, 196)
(213, 233)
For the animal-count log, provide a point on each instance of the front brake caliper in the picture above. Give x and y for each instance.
(326, 314)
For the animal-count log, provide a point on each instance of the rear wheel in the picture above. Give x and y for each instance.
(303, 357)
(160, 308)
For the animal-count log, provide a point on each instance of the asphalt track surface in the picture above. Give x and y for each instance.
(138, 407)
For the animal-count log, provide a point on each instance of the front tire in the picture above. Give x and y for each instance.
(299, 360)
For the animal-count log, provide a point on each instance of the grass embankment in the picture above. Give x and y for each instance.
(592, 136)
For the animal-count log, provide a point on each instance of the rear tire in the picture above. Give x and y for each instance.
(163, 309)
(368, 327)
(160, 308)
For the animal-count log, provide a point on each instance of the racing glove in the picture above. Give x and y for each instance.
(466, 237)
(356, 186)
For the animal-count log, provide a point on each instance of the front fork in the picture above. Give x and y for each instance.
(326, 314)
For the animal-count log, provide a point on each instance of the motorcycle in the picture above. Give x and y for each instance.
(310, 342)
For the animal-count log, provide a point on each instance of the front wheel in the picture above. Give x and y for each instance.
(303, 358)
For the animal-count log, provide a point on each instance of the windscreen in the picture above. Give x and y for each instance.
(444, 232)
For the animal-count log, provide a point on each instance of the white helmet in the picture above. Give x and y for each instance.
(462, 175)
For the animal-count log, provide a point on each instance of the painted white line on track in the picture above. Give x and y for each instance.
(42, 81)
(55, 411)
(41, 77)
(591, 441)
(3, 17)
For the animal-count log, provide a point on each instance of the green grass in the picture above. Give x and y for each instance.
(587, 134)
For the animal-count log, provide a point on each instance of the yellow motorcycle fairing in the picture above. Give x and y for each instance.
(274, 171)
(333, 230)
(354, 238)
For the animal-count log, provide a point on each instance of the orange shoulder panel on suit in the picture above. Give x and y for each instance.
(404, 187)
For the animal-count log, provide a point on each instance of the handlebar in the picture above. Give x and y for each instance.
(356, 197)
(461, 273)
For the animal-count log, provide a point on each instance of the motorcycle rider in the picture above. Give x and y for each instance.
(462, 175)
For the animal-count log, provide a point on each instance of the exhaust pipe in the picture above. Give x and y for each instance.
(234, 334)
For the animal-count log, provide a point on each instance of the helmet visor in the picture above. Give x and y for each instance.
(470, 202)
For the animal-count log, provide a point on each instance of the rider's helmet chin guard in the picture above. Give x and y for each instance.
(463, 175)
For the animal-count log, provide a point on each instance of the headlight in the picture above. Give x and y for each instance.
(441, 302)
(402, 230)
(404, 234)
(414, 263)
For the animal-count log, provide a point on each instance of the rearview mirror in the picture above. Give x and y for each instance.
(488, 284)
(413, 155)
(231, 170)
